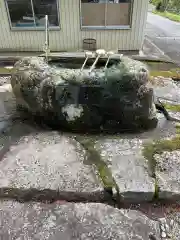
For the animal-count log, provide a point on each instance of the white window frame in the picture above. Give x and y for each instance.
(125, 27)
(51, 28)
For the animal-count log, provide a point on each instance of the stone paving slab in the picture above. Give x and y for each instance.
(45, 164)
(167, 175)
(129, 168)
(166, 88)
(73, 221)
(171, 225)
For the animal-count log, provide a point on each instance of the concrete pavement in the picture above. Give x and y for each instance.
(165, 34)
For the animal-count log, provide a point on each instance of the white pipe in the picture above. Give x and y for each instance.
(84, 63)
(109, 55)
(107, 62)
(100, 53)
(88, 55)
(92, 67)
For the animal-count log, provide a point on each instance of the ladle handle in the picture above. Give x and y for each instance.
(94, 64)
(107, 62)
(84, 63)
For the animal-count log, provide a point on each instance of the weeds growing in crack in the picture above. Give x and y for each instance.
(94, 158)
(158, 147)
(156, 190)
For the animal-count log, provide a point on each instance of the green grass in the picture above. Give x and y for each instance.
(172, 107)
(4, 70)
(166, 74)
(171, 16)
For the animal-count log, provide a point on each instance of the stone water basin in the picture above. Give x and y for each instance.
(114, 98)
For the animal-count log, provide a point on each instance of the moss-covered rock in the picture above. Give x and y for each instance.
(117, 97)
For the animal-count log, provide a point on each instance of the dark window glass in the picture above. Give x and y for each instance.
(31, 13)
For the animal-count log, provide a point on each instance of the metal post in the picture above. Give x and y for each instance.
(106, 6)
(47, 30)
(46, 47)
(32, 6)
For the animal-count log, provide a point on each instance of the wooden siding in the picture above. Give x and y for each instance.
(70, 36)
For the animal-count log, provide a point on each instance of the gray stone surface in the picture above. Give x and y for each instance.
(168, 165)
(129, 168)
(117, 97)
(45, 163)
(167, 174)
(7, 106)
(172, 224)
(73, 221)
(166, 88)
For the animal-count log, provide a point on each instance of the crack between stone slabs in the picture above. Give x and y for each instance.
(50, 196)
(93, 158)
(149, 152)
(158, 147)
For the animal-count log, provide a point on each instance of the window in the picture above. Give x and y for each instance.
(106, 14)
(30, 14)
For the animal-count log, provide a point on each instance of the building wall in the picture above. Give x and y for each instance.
(70, 36)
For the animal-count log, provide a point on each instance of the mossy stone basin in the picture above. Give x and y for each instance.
(114, 98)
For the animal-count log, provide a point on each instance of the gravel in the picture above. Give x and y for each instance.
(4, 80)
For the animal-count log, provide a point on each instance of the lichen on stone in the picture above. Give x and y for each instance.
(86, 99)
(72, 112)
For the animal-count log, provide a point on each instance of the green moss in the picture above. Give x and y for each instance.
(167, 74)
(5, 70)
(94, 157)
(158, 65)
(158, 147)
(172, 107)
(164, 69)
(177, 126)
(156, 191)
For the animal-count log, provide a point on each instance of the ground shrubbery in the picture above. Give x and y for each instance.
(170, 5)
(155, 2)
(167, 8)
